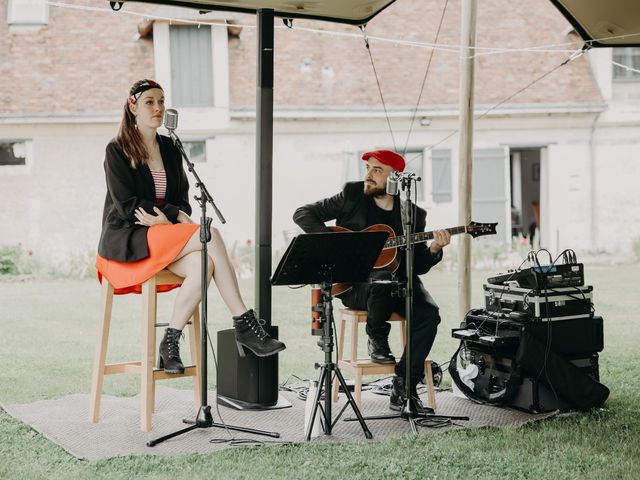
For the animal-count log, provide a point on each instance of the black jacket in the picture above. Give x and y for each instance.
(127, 189)
(349, 208)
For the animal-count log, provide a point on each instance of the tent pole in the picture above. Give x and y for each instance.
(465, 150)
(264, 164)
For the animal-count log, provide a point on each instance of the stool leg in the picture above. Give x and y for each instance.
(431, 391)
(336, 384)
(354, 339)
(106, 304)
(153, 353)
(357, 388)
(403, 334)
(195, 341)
(148, 352)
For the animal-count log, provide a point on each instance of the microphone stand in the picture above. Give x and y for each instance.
(409, 409)
(204, 418)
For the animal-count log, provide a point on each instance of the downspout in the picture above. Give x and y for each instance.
(593, 230)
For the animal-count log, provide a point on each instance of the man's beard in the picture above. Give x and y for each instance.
(374, 191)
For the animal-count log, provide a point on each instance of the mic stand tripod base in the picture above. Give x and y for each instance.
(205, 420)
(409, 412)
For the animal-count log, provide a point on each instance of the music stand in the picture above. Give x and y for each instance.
(324, 259)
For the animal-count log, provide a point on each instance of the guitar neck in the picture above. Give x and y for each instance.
(421, 237)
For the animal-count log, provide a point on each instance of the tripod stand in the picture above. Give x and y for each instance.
(409, 410)
(203, 418)
(324, 259)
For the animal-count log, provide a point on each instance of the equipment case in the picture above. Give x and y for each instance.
(496, 370)
(564, 303)
(573, 337)
(535, 396)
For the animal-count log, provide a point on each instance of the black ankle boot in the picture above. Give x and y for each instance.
(398, 396)
(250, 334)
(379, 351)
(169, 357)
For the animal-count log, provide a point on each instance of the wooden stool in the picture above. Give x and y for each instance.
(364, 366)
(144, 368)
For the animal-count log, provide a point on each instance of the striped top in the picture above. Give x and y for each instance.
(160, 182)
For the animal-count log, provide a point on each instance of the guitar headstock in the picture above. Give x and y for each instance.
(476, 229)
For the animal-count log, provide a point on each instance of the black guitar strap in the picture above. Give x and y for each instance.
(403, 214)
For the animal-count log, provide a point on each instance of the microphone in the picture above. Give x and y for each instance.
(392, 183)
(170, 119)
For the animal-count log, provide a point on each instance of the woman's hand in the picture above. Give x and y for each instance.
(148, 220)
(184, 218)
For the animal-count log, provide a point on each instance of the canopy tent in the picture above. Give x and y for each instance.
(615, 23)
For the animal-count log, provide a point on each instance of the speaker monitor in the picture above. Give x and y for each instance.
(248, 382)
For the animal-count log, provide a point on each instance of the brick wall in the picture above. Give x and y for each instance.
(81, 62)
(348, 79)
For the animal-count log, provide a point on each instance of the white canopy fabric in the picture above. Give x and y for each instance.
(354, 12)
(610, 23)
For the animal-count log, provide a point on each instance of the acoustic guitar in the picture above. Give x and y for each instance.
(388, 258)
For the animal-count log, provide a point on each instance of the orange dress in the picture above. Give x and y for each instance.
(165, 242)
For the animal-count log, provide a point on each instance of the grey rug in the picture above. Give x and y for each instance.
(65, 422)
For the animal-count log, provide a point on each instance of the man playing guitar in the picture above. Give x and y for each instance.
(358, 206)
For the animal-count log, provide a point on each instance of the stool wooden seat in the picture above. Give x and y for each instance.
(364, 366)
(146, 366)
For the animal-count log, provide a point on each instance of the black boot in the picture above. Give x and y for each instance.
(398, 396)
(169, 356)
(379, 350)
(251, 334)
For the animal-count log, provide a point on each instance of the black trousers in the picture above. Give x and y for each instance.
(378, 301)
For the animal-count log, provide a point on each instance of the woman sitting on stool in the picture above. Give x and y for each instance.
(146, 228)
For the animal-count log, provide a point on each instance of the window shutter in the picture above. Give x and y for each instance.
(441, 175)
(191, 66)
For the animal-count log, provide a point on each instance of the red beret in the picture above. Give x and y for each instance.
(386, 157)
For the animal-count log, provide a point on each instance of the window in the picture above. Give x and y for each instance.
(441, 175)
(191, 66)
(196, 151)
(629, 56)
(28, 12)
(13, 153)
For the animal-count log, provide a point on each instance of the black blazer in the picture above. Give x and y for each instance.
(129, 188)
(349, 208)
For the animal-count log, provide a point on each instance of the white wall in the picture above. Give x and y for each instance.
(617, 205)
(56, 208)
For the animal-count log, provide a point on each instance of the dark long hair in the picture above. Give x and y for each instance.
(129, 138)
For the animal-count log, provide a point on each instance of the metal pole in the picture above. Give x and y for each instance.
(467, 41)
(264, 164)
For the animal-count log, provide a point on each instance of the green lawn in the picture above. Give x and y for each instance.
(46, 349)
